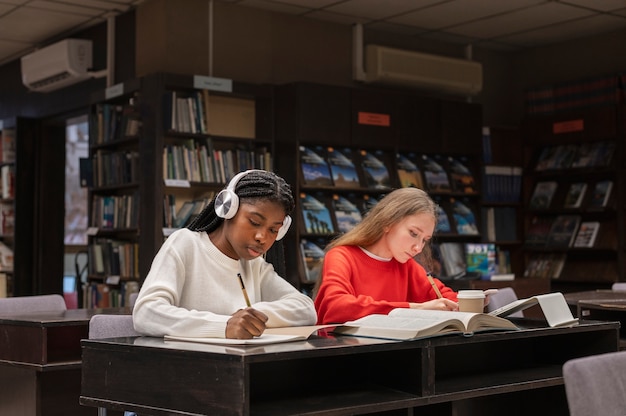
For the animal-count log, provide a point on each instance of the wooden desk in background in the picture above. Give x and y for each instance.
(40, 362)
(573, 299)
(600, 305)
(508, 373)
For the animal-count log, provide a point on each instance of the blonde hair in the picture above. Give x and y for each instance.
(389, 210)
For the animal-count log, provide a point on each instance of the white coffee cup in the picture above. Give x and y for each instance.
(471, 300)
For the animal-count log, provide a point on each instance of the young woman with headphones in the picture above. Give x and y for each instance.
(198, 279)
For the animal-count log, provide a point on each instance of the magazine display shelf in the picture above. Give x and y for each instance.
(573, 187)
(313, 120)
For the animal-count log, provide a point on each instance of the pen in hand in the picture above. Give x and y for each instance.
(432, 283)
(243, 289)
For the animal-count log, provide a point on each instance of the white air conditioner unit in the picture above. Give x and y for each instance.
(56, 66)
(432, 72)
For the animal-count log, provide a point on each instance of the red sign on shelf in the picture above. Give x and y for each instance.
(568, 126)
(374, 119)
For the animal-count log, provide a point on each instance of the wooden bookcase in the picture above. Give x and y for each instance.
(597, 128)
(364, 119)
(37, 237)
(502, 192)
(116, 194)
(18, 141)
(240, 131)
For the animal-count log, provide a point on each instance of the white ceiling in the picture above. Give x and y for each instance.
(495, 24)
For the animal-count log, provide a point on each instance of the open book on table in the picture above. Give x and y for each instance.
(404, 323)
(553, 306)
(269, 336)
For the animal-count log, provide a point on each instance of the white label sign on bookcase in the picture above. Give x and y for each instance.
(212, 83)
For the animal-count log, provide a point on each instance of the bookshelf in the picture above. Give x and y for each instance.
(113, 176)
(7, 208)
(18, 137)
(502, 191)
(184, 138)
(363, 122)
(569, 157)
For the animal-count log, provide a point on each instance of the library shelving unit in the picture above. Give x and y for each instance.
(367, 121)
(112, 174)
(7, 209)
(188, 136)
(573, 184)
(18, 138)
(193, 133)
(227, 131)
(502, 208)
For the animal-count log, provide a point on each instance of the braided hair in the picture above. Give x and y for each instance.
(255, 185)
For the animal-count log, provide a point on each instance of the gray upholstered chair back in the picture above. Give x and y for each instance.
(111, 326)
(596, 385)
(21, 305)
(504, 296)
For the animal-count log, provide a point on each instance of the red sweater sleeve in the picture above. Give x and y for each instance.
(355, 285)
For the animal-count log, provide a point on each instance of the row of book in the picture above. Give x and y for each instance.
(566, 268)
(112, 168)
(102, 295)
(456, 260)
(182, 214)
(563, 231)
(499, 224)
(545, 265)
(6, 258)
(5, 285)
(199, 112)
(111, 122)
(326, 214)
(7, 145)
(482, 261)
(574, 95)
(115, 211)
(199, 162)
(502, 183)
(376, 169)
(575, 156)
(116, 259)
(7, 181)
(546, 195)
(7, 218)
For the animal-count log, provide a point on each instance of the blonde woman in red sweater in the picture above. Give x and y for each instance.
(370, 269)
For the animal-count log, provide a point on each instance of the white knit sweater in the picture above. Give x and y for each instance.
(192, 289)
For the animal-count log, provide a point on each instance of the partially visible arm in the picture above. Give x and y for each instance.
(283, 304)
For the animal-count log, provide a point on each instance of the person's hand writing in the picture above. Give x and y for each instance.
(245, 324)
(441, 304)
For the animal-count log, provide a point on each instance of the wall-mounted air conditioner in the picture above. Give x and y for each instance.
(432, 72)
(56, 66)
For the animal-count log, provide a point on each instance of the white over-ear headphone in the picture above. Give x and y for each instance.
(227, 203)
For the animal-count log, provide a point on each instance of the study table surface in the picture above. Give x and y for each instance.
(40, 361)
(605, 305)
(487, 373)
(573, 298)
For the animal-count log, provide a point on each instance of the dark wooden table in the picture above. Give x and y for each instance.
(508, 373)
(589, 296)
(40, 362)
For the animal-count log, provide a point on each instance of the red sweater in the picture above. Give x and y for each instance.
(355, 285)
